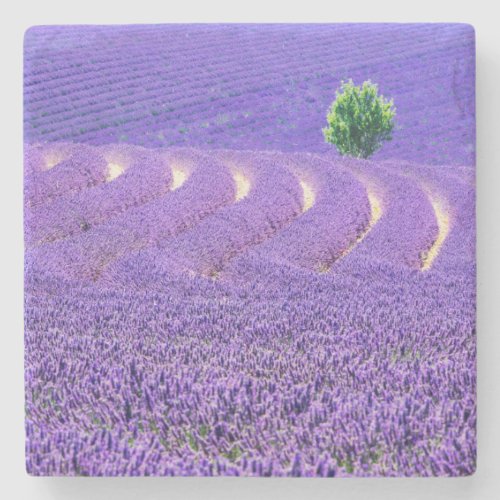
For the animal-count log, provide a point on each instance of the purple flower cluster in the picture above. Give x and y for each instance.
(289, 329)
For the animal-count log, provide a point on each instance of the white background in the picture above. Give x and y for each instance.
(14, 482)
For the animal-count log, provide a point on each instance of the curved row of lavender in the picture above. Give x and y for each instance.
(247, 313)
(248, 86)
(95, 246)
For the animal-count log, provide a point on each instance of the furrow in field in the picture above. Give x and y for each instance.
(441, 212)
(179, 176)
(113, 170)
(242, 183)
(308, 195)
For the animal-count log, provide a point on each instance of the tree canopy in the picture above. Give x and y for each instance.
(359, 120)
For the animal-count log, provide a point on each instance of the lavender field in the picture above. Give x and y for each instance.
(211, 289)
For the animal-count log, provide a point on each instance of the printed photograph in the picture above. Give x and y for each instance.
(250, 250)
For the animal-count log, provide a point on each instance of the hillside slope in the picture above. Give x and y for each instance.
(248, 86)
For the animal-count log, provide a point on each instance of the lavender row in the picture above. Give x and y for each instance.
(62, 170)
(271, 199)
(339, 213)
(209, 186)
(454, 194)
(136, 367)
(406, 227)
(137, 177)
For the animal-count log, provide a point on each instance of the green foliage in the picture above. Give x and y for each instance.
(234, 453)
(359, 120)
(193, 443)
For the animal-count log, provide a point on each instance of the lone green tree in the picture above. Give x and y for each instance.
(359, 120)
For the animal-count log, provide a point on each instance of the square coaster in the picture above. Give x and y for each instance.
(250, 250)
